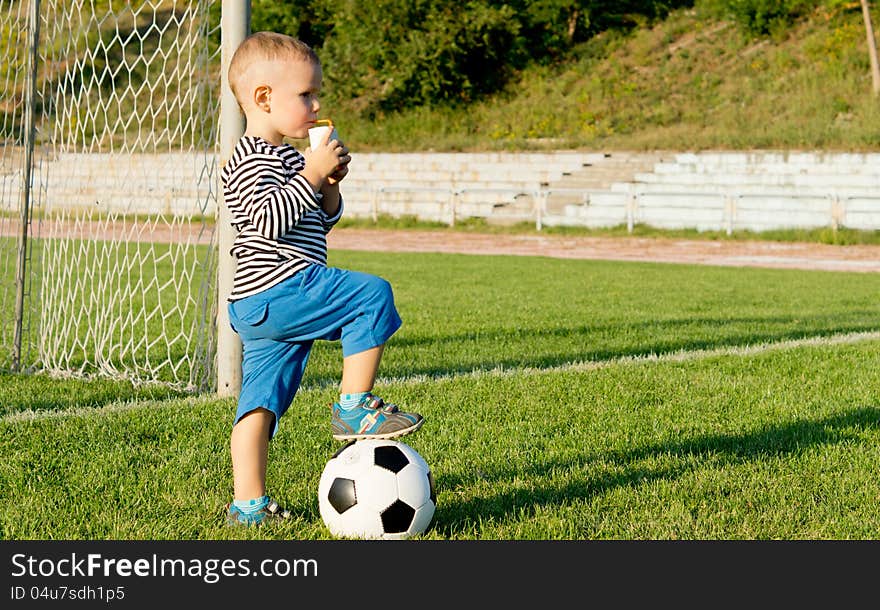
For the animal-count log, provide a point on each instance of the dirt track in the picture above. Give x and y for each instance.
(727, 253)
(724, 253)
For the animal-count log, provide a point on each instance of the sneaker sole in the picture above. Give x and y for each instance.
(379, 437)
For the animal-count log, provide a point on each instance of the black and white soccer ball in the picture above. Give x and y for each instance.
(376, 489)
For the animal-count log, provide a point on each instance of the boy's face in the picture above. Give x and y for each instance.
(291, 99)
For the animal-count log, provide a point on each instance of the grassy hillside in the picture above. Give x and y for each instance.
(691, 82)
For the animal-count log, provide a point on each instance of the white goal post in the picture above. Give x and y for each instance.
(110, 148)
(235, 27)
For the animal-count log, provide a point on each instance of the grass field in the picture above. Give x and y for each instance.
(564, 399)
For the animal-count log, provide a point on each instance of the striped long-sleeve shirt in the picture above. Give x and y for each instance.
(281, 225)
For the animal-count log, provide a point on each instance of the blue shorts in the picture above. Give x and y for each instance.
(278, 326)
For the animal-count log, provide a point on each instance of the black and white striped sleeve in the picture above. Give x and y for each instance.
(273, 202)
(328, 221)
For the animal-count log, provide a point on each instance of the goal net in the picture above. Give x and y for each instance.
(107, 212)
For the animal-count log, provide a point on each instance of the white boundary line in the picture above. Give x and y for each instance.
(679, 356)
(113, 407)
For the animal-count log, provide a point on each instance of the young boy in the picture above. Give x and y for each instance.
(283, 202)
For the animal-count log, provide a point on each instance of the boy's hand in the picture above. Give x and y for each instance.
(341, 170)
(325, 159)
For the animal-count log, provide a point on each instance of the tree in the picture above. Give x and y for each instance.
(872, 48)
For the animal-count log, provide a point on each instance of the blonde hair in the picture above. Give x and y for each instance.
(265, 46)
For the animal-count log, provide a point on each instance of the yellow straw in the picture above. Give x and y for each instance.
(327, 122)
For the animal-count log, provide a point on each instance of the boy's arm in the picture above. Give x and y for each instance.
(330, 187)
(331, 198)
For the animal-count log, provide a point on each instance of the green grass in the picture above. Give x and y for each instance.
(564, 400)
(42, 393)
(464, 313)
(147, 295)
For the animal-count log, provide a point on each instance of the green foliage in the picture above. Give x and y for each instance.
(310, 21)
(554, 26)
(530, 73)
(763, 17)
(691, 82)
(388, 55)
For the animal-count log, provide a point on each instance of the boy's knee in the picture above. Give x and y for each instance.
(380, 290)
(385, 290)
(258, 422)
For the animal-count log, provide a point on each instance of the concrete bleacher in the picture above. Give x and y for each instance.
(430, 186)
(181, 184)
(754, 191)
(705, 190)
(446, 186)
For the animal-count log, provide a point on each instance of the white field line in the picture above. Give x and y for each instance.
(679, 356)
(113, 407)
(499, 372)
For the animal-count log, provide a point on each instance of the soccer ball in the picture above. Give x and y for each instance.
(376, 489)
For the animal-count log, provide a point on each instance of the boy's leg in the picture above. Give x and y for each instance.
(359, 414)
(330, 304)
(359, 370)
(249, 447)
(272, 369)
(355, 396)
(272, 372)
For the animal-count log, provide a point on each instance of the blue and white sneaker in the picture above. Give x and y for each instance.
(372, 418)
(272, 511)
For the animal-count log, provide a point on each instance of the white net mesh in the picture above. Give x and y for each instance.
(120, 279)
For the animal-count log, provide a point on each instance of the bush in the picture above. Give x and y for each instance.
(762, 17)
(389, 55)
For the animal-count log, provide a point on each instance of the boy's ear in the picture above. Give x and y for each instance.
(262, 97)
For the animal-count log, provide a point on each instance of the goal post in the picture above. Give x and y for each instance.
(234, 29)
